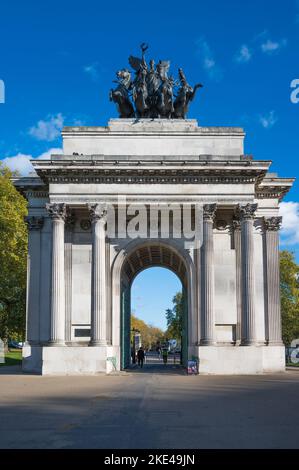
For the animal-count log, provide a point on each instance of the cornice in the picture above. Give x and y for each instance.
(31, 186)
(129, 128)
(274, 188)
(176, 172)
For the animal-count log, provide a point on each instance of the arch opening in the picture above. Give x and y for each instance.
(139, 260)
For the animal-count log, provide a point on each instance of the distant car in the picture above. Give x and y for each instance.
(15, 344)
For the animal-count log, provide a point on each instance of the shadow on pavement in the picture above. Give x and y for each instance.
(11, 370)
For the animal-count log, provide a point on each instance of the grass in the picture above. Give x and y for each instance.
(292, 364)
(13, 358)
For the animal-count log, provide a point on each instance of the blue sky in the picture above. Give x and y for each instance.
(152, 293)
(58, 60)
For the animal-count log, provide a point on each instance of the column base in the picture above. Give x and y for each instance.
(97, 343)
(207, 342)
(252, 343)
(275, 343)
(57, 344)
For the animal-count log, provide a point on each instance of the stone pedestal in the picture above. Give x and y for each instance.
(234, 360)
(76, 360)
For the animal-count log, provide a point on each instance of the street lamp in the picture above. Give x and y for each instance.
(134, 330)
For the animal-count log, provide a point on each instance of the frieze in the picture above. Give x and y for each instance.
(37, 194)
(278, 193)
(158, 179)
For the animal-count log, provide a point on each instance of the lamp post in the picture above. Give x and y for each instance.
(134, 330)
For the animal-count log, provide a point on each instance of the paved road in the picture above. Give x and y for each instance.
(149, 410)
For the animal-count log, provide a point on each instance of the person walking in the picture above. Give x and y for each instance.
(140, 356)
(164, 355)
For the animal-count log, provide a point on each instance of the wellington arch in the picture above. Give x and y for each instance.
(130, 195)
(78, 283)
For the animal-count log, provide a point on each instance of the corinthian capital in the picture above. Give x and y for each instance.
(273, 223)
(209, 211)
(34, 223)
(57, 211)
(247, 211)
(98, 212)
(236, 224)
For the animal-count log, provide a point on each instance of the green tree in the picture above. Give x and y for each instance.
(174, 317)
(289, 291)
(13, 258)
(150, 334)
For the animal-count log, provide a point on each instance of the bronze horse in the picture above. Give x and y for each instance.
(120, 95)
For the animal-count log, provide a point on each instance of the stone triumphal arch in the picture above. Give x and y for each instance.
(79, 273)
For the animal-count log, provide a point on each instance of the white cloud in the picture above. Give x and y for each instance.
(208, 61)
(92, 71)
(269, 47)
(48, 129)
(290, 223)
(244, 54)
(21, 162)
(268, 120)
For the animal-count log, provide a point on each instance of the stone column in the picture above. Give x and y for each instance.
(57, 213)
(273, 322)
(237, 245)
(98, 216)
(207, 330)
(248, 321)
(69, 227)
(34, 225)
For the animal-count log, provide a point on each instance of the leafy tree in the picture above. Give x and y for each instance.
(150, 335)
(13, 258)
(289, 290)
(174, 317)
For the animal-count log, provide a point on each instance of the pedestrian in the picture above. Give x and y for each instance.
(140, 356)
(133, 355)
(165, 355)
